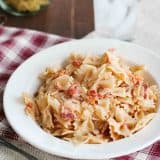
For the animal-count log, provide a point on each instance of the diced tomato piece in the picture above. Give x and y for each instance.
(67, 114)
(92, 93)
(73, 89)
(77, 62)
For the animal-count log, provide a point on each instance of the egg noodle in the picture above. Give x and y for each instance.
(93, 99)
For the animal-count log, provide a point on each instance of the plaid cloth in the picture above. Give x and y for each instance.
(16, 45)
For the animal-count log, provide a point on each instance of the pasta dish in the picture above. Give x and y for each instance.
(93, 99)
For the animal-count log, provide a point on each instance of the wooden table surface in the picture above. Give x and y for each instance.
(71, 18)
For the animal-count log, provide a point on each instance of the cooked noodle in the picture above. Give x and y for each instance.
(93, 99)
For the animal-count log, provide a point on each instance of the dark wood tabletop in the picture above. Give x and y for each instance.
(71, 18)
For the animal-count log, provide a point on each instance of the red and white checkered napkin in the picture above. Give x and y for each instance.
(16, 45)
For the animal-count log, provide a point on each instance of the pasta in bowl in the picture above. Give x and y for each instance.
(93, 99)
(56, 59)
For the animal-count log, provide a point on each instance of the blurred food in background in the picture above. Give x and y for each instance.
(27, 5)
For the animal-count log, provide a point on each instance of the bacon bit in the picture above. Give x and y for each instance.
(67, 114)
(111, 49)
(145, 86)
(77, 62)
(72, 90)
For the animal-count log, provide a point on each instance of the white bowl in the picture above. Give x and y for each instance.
(25, 79)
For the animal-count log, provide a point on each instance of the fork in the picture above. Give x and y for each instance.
(12, 147)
